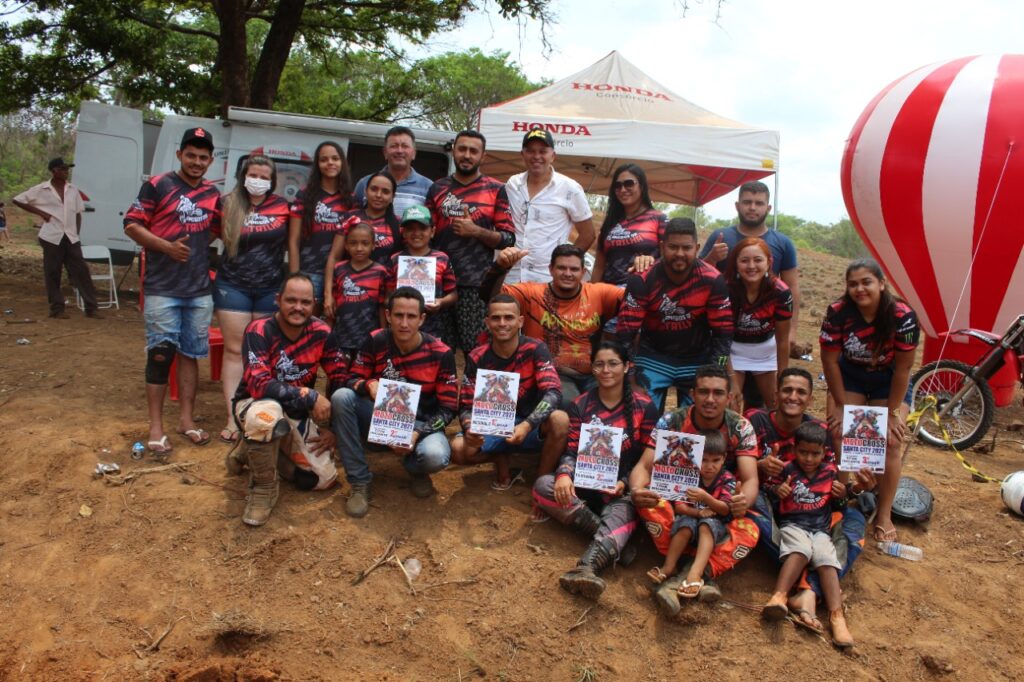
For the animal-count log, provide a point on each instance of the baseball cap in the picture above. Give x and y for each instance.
(59, 162)
(416, 214)
(539, 134)
(197, 137)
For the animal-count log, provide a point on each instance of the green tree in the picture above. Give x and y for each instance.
(195, 55)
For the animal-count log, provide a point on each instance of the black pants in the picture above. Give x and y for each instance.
(69, 257)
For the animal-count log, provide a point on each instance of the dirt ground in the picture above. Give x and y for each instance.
(158, 579)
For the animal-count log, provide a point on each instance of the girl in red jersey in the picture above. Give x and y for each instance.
(254, 230)
(358, 292)
(317, 214)
(762, 307)
(868, 340)
(605, 518)
(631, 228)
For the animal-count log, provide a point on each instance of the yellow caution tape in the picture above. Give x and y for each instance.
(930, 404)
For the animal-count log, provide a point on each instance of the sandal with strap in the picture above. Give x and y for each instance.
(657, 576)
(882, 535)
(802, 618)
(690, 590)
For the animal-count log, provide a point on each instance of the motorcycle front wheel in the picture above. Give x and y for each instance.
(968, 420)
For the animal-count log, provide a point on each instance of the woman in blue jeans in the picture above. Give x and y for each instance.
(254, 229)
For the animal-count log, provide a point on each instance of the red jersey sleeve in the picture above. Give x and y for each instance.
(831, 339)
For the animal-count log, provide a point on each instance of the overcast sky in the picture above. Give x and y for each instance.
(806, 69)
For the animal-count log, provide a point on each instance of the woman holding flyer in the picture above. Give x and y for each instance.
(601, 516)
(868, 339)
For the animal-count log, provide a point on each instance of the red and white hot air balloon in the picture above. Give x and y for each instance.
(931, 175)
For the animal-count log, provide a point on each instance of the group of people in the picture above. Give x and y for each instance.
(511, 293)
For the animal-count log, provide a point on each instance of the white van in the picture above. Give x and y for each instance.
(116, 150)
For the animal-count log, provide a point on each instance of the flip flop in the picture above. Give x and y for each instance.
(657, 576)
(774, 612)
(160, 447)
(230, 438)
(882, 535)
(687, 591)
(516, 477)
(197, 436)
(803, 618)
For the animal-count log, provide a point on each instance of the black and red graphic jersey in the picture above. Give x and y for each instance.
(755, 322)
(315, 240)
(358, 296)
(171, 208)
(487, 203)
(444, 277)
(385, 238)
(538, 379)
(278, 368)
(809, 506)
(845, 330)
(431, 365)
(629, 238)
(261, 245)
(770, 434)
(637, 428)
(688, 323)
(740, 440)
(722, 488)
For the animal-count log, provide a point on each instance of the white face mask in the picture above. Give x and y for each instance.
(257, 187)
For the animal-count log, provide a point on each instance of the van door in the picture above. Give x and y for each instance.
(108, 170)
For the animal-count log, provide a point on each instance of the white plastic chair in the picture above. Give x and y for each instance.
(100, 254)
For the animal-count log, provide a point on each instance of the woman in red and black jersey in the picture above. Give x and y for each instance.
(254, 230)
(632, 227)
(603, 517)
(762, 307)
(317, 214)
(868, 340)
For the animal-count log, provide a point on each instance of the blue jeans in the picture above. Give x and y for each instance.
(350, 419)
(235, 299)
(318, 284)
(185, 322)
(494, 445)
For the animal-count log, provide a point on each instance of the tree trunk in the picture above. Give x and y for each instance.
(232, 55)
(274, 55)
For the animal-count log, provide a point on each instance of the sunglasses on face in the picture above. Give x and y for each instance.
(623, 184)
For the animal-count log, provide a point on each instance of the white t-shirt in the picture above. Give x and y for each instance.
(544, 222)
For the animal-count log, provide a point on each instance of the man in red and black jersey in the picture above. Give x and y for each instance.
(172, 219)
(276, 405)
(402, 353)
(680, 311)
(471, 222)
(539, 426)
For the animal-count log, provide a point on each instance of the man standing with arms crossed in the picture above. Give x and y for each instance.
(172, 219)
(546, 206)
(56, 201)
(399, 152)
(471, 221)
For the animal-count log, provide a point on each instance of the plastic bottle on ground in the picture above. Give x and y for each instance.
(903, 551)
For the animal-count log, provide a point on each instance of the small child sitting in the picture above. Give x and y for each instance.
(809, 490)
(702, 516)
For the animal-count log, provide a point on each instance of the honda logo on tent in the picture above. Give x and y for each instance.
(608, 87)
(553, 128)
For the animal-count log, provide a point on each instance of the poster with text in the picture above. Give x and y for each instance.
(865, 429)
(494, 403)
(597, 458)
(677, 458)
(420, 273)
(394, 413)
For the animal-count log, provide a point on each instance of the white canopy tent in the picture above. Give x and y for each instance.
(612, 113)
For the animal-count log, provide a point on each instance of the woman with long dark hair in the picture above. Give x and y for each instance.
(317, 214)
(604, 517)
(631, 227)
(762, 306)
(868, 340)
(379, 214)
(254, 229)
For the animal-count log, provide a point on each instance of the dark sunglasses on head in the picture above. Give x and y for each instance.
(623, 184)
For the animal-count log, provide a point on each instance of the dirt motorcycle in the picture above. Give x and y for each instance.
(958, 396)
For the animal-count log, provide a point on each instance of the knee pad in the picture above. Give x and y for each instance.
(158, 363)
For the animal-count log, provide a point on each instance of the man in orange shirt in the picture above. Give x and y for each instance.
(566, 313)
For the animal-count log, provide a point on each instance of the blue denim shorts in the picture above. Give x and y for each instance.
(714, 523)
(873, 384)
(494, 445)
(318, 284)
(234, 299)
(185, 322)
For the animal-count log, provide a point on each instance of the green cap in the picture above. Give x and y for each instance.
(416, 214)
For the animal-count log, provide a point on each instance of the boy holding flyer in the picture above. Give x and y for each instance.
(427, 270)
(497, 416)
(702, 515)
(809, 490)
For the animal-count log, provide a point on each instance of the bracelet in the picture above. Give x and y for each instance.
(564, 475)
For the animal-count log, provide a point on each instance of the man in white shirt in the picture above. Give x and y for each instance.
(545, 207)
(59, 204)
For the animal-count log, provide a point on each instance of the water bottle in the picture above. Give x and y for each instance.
(902, 551)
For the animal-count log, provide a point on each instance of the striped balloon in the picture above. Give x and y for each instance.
(931, 175)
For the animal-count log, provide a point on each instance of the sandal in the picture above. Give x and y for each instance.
(160, 447)
(516, 477)
(229, 436)
(690, 590)
(657, 576)
(775, 609)
(807, 620)
(882, 535)
(197, 436)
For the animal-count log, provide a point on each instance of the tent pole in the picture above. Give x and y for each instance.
(775, 205)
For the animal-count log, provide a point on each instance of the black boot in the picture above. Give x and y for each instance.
(585, 522)
(583, 579)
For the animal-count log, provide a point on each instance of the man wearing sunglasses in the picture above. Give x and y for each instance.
(545, 207)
